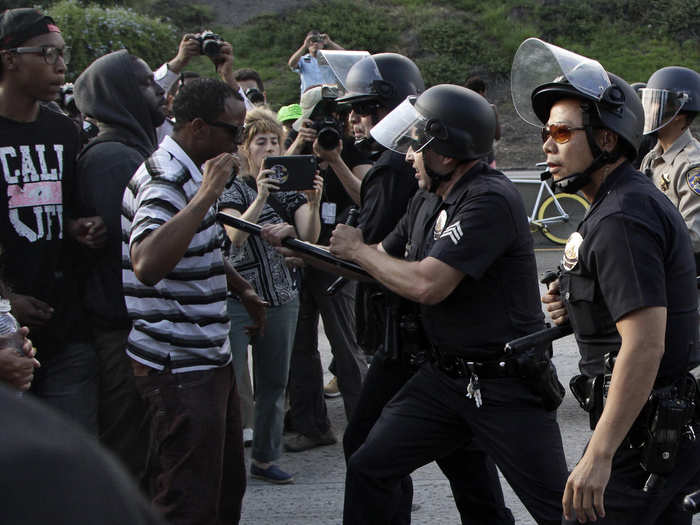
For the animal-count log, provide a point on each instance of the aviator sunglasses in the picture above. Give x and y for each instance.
(560, 133)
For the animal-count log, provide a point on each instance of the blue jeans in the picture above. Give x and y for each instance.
(68, 382)
(271, 355)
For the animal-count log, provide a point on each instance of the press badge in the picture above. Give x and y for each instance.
(328, 210)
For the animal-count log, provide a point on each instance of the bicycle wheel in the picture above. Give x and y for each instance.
(558, 231)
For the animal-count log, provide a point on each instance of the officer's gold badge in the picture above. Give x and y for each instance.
(570, 258)
(692, 176)
(440, 224)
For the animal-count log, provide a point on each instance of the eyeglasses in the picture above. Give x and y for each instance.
(238, 132)
(560, 133)
(365, 108)
(316, 39)
(50, 53)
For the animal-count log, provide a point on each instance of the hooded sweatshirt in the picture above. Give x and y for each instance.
(108, 91)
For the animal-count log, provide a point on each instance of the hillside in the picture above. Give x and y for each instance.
(451, 40)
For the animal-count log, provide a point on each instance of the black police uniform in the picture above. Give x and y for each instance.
(386, 190)
(635, 253)
(307, 412)
(480, 229)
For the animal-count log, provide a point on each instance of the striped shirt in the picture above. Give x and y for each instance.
(180, 322)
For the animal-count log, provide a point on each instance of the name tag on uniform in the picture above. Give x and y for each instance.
(328, 211)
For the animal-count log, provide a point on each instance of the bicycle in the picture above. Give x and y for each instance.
(559, 215)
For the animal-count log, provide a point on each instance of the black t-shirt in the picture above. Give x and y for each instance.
(384, 193)
(480, 229)
(38, 162)
(635, 253)
(335, 201)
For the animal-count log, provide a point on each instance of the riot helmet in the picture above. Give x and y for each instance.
(669, 91)
(453, 120)
(543, 74)
(450, 120)
(385, 78)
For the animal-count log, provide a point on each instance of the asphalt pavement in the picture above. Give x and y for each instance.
(316, 497)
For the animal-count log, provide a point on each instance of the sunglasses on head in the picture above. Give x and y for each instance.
(560, 133)
(238, 132)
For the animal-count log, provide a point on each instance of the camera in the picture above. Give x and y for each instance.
(329, 130)
(209, 43)
(255, 96)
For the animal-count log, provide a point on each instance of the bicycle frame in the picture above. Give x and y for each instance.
(562, 217)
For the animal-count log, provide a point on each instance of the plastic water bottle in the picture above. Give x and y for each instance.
(9, 327)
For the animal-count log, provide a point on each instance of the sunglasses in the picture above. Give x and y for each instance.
(560, 133)
(238, 132)
(50, 53)
(365, 108)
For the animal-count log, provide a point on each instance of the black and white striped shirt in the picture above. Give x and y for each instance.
(181, 321)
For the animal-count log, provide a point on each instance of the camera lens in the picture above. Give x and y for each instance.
(328, 138)
(211, 47)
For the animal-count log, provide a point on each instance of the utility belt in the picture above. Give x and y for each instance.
(533, 366)
(665, 420)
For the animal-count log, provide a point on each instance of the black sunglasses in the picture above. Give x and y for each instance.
(238, 132)
(365, 108)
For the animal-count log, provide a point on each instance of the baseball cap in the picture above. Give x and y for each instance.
(19, 25)
(291, 112)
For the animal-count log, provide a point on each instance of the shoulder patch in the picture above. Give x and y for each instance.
(692, 177)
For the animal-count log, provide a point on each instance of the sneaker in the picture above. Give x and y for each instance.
(247, 437)
(331, 389)
(302, 442)
(272, 474)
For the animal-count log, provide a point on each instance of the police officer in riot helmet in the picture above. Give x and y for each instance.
(464, 236)
(671, 101)
(373, 85)
(627, 287)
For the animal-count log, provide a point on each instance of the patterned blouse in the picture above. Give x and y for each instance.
(257, 261)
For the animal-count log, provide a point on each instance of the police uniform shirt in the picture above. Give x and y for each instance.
(480, 229)
(635, 253)
(677, 173)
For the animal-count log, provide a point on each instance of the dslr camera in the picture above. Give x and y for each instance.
(329, 130)
(209, 43)
(255, 96)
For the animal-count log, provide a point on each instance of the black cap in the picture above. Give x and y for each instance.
(19, 25)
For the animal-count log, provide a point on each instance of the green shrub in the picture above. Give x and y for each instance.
(93, 31)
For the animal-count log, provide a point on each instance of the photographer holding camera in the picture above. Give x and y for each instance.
(321, 132)
(193, 45)
(310, 72)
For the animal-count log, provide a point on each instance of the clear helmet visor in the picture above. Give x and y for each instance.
(660, 106)
(537, 63)
(403, 128)
(341, 63)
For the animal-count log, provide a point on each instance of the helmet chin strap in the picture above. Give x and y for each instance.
(437, 178)
(576, 181)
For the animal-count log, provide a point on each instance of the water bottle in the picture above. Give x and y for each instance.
(9, 328)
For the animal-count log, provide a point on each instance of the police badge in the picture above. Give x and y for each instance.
(692, 176)
(440, 224)
(570, 258)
